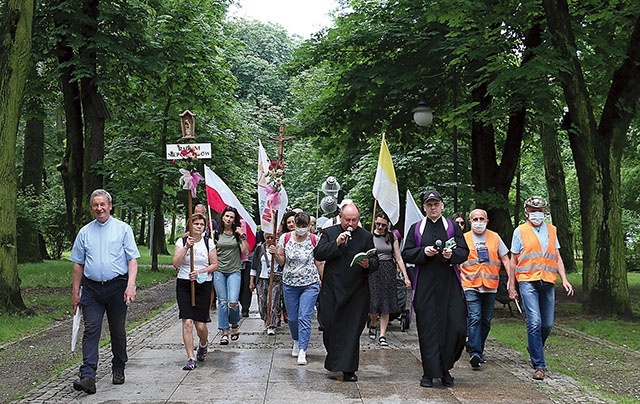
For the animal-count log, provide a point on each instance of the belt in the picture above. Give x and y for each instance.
(117, 278)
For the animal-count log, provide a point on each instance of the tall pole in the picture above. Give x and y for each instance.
(455, 144)
(281, 138)
(191, 257)
(455, 168)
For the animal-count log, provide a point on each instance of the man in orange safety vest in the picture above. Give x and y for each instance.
(480, 276)
(536, 264)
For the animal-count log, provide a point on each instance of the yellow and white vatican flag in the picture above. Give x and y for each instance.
(385, 185)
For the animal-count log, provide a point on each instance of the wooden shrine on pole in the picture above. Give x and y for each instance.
(190, 152)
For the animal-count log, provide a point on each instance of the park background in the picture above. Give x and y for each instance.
(528, 98)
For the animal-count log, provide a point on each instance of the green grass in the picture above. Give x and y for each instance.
(563, 354)
(46, 289)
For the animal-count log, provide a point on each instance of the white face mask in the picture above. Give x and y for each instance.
(536, 218)
(479, 227)
(302, 231)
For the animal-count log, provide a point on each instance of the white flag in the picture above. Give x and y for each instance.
(266, 213)
(412, 214)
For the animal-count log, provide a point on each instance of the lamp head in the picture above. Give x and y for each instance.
(422, 114)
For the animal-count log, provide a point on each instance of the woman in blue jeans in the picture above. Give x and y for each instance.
(300, 282)
(230, 242)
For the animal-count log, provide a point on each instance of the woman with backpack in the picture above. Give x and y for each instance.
(300, 282)
(205, 262)
(231, 241)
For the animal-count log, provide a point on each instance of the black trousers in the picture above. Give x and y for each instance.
(245, 293)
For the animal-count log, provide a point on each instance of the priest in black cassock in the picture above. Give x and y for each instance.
(344, 296)
(438, 302)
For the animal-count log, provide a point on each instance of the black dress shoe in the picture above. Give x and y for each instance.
(426, 382)
(447, 380)
(85, 384)
(349, 377)
(245, 314)
(118, 376)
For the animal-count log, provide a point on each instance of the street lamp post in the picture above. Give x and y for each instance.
(423, 116)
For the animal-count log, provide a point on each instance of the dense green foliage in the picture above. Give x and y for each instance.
(489, 70)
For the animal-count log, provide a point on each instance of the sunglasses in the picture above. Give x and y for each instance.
(478, 219)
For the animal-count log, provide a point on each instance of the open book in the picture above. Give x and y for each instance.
(362, 255)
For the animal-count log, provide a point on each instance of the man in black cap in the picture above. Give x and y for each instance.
(436, 245)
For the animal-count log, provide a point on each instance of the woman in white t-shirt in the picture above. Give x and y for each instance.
(300, 282)
(205, 262)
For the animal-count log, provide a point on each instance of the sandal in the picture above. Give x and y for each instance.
(383, 341)
(224, 339)
(235, 332)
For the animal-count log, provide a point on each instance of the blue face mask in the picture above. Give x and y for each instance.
(536, 218)
(302, 231)
(202, 278)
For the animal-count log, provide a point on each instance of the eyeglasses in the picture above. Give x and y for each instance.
(479, 219)
(381, 225)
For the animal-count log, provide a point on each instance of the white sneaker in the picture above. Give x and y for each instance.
(271, 331)
(302, 357)
(296, 349)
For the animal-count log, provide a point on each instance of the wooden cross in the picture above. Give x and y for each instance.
(281, 138)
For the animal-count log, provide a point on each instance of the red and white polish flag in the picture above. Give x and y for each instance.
(219, 196)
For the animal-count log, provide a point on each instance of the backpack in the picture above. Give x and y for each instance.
(287, 237)
(206, 241)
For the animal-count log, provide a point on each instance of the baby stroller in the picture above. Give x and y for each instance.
(404, 303)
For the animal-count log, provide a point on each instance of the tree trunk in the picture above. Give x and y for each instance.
(29, 234)
(492, 181)
(143, 226)
(93, 107)
(159, 245)
(517, 211)
(71, 166)
(556, 185)
(16, 19)
(597, 152)
(173, 227)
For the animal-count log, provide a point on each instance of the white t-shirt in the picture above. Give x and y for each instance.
(200, 258)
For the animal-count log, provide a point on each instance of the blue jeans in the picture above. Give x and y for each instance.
(480, 308)
(539, 299)
(228, 290)
(96, 300)
(300, 301)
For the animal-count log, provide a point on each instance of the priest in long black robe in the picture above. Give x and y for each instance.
(344, 295)
(438, 301)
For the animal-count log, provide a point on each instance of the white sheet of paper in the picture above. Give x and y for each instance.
(76, 328)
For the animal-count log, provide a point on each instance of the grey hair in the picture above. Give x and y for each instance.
(100, 192)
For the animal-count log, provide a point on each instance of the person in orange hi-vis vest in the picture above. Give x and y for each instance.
(535, 265)
(480, 276)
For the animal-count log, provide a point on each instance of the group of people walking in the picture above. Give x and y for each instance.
(457, 277)
(454, 283)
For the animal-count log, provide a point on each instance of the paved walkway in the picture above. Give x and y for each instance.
(259, 369)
